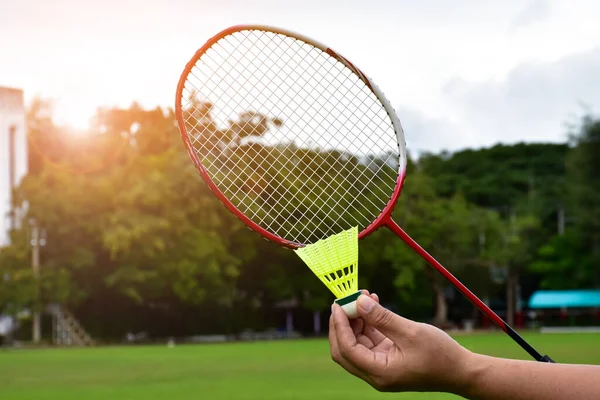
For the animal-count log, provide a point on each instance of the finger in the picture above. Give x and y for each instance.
(341, 325)
(384, 346)
(333, 345)
(365, 341)
(358, 328)
(357, 325)
(336, 355)
(373, 334)
(365, 335)
(383, 320)
(375, 297)
(359, 356)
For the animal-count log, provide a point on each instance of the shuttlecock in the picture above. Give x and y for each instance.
(334, 261)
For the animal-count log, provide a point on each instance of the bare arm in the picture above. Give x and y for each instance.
(394, 354)
(489, 378)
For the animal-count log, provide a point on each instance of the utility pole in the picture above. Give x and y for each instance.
(12, 132)
(37, 240)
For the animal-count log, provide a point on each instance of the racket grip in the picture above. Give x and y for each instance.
(548, 360)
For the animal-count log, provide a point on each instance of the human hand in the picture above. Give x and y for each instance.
(395, 354)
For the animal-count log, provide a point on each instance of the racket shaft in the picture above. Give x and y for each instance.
(466, 292)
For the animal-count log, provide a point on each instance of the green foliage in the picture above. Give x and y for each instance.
(527, 185)
(132, 227)
(583, 166)
(576, 254)
(17, 283)
(517, 250)
(564, 256)
(500, 175)
(449, 229)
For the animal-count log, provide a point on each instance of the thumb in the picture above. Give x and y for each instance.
(390, 324)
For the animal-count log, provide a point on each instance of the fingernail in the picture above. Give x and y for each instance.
(366, 303)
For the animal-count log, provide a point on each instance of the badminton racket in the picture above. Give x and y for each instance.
(297, 142)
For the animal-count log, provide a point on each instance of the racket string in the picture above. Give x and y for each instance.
(227, 189)
(314, 115)
(317, 110)
(338, 201)
(391, 188)
(336, 204)
(323, 161)
(335, 77)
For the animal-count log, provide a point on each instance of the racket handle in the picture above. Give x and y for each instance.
(394, 227)
(548, 359)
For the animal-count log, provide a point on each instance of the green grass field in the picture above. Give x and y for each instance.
(250, 371)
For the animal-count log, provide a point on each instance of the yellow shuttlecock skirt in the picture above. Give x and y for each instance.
(334, 261)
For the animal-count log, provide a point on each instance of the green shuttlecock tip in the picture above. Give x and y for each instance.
(334, 261)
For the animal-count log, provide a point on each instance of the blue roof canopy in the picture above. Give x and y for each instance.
(565, 299)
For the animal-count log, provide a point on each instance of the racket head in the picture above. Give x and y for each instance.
(183, 87)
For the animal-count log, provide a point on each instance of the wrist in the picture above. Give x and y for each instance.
(470, 374)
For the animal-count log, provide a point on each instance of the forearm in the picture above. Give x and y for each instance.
(489, 378)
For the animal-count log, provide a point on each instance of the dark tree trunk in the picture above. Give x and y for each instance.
(441, 305)
(511, 284)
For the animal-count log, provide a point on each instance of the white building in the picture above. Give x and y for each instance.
(13, 155)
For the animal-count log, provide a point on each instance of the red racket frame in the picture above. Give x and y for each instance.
(384, 219)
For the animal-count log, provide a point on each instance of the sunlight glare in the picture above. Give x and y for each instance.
(73, 115)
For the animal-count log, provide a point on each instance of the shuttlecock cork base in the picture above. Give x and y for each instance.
(334, 261)
(348, 304)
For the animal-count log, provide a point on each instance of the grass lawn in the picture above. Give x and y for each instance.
(247, 371)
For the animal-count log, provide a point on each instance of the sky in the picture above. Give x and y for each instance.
(460, 74)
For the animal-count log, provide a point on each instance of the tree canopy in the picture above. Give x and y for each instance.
(136, 240)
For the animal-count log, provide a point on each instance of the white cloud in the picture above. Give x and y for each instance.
(429, 134)
(533, 103)
(536, 11)
(515, 65)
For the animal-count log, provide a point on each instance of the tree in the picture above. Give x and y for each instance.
(126, 211)
(564, 256)
(518, 253)
(134, 234)
(17, 283)
(445, 227)
(583, 164)
(523, 180)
